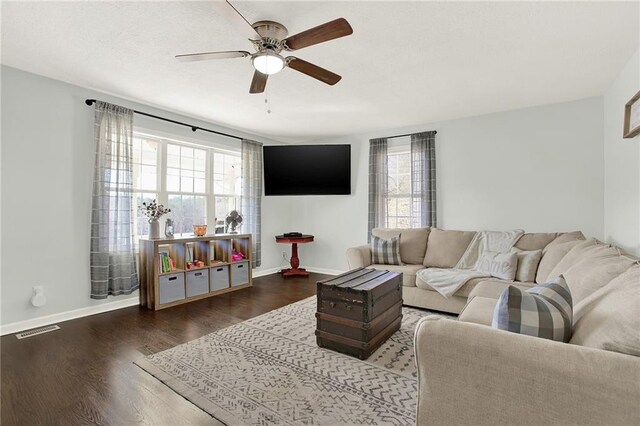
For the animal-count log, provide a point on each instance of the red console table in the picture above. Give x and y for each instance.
(295, 262)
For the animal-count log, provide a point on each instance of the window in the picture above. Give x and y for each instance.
(186, 186)
(402, 181)
(197, 183)
(226, 184)
(145, 180)
(399, 188)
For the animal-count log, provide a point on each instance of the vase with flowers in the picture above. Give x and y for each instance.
(153, 212)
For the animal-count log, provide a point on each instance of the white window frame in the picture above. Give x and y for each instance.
(161, 182)
(398, 147)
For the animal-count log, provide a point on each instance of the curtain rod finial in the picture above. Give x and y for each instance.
(90, 101)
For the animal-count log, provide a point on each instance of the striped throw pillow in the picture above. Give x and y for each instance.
(385, 252)
(542, 311)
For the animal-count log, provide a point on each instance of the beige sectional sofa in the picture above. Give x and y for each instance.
(431, 247)
(470, 373)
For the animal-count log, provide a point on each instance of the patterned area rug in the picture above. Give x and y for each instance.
(269, 371)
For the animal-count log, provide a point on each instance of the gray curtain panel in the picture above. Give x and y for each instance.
(378, 184)
(423, 179)
(112, 257)
(251, 200)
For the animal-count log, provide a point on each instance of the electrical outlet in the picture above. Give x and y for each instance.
(37, 298)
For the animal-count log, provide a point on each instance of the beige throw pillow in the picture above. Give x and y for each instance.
(499, 265)
(583, 250)
(528, 261)
(565, 238)
(608, 319)
(551, 256)
(595, 271)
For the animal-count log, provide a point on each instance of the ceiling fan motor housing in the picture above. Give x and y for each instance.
(272, 34)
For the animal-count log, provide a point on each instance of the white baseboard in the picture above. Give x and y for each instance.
(16, 327)
(308, 268)
(324, 271)
(264, 272)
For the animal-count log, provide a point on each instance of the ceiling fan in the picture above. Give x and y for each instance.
(269, 39)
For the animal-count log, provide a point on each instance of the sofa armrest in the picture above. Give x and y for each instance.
(473, 374)
(359, 257)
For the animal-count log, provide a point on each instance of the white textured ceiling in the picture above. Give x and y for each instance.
(407, 63)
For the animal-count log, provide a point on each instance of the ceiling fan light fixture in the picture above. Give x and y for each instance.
(268, 63)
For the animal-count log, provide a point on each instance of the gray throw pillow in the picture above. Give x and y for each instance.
(385, 252)
(545, 311)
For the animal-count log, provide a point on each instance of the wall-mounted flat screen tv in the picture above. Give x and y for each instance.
(307, 170)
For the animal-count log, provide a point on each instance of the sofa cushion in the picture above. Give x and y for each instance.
(545, 311)
(413, 242)
(499, 265)
(408, 272)
(596, 271)
(565, 238)
(528, 261)
(445, 248)
(535, 241)
(551, 256)
(478, 310)
(580, 251)
(386, 251)
(493, 289)
(609, 318)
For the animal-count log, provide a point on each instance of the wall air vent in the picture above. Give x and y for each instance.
(37, 331)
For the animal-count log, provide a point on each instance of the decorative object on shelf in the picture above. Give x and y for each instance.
(168, 228)
(153, 211)
(632, 117)
(195, 264)
(233, 221)
(200, 230)
(236, 256)
(154, 229)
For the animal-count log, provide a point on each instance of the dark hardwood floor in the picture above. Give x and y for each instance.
(84, 373)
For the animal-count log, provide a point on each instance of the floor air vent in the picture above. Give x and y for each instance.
(37, 331)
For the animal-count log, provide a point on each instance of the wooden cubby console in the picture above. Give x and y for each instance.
(218, 274)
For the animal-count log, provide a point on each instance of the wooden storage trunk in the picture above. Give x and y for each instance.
(358, 311)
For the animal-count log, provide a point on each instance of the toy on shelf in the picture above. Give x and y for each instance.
(195, 264)
(236, 256)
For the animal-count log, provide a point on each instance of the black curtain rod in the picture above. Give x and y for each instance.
(408, 134)
(157, 117)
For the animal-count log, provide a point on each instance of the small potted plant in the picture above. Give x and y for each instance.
(153, 212)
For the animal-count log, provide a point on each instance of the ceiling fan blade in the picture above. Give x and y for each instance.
(205, 56)
(314, 71)
(325, 32)
(258, 83)
(227, 10)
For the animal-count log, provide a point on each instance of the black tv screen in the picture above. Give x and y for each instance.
(307, 170)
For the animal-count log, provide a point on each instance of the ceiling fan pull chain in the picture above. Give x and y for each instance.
(267, 100)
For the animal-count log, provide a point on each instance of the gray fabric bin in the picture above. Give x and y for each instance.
(239, 273)
(197, 282)
(219, 277)
(171, 287)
